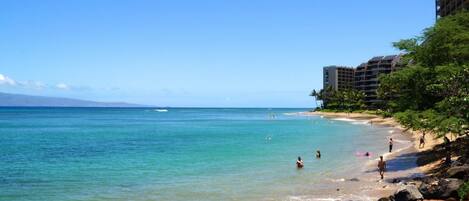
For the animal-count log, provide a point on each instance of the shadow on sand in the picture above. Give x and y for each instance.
(407, 161)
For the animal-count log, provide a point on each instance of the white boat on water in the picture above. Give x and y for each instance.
(161, 110)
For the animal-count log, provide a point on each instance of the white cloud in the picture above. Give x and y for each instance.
(38, 85)
(4, 80)
(62, 86)
(32, 85)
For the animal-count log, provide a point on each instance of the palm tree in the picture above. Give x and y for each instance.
(315, 94)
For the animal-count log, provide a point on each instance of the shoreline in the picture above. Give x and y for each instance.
(377, 120)
(408, 155)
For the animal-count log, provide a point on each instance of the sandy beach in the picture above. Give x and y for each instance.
(402, 164)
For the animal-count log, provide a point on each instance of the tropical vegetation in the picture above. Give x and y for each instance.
(432, 92)
(346, 99)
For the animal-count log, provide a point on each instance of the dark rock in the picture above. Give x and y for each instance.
(385, 199)
(396, 181)
(354, 179)
(440, 188)
(415, 183)
(460, 172)
(456, 163)
(407, 193)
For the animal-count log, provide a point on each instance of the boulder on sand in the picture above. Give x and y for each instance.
(440, 188)
(459, 172)
(408, 193)
(386, 199)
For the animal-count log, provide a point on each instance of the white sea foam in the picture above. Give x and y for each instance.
(360, 122)
(337, 180)
(344, 119)
(339, 198)
(401, 141)
(353, 121)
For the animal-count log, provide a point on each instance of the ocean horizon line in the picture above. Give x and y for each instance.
(156, 107)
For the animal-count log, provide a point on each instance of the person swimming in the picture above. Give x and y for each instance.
(299, 163)
(367, 154)
(318, 154)
(381, 166)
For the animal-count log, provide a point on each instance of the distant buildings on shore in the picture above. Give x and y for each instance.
(448, 7)
(338, 77)
(364, 77)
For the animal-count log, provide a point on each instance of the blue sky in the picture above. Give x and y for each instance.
(239, 53)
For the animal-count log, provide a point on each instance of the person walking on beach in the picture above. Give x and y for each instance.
(318, 154)
(447, 150)
(299, 163)
(390, 145)
(422, 141)
(381, 166)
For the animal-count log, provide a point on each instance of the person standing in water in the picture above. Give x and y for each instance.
(318, 154)
(390, 145)
(381, 166)
(299, 163)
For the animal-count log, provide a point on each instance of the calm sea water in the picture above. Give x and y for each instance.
(183, 154)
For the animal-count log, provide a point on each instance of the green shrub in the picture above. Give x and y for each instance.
(463, 191)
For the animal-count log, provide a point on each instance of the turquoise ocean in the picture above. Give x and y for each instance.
(179, 154)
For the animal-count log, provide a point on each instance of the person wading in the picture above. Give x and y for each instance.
(299, 163)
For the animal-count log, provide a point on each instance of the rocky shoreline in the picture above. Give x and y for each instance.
(440, 180)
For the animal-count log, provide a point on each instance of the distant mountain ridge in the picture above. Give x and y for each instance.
(20, 100)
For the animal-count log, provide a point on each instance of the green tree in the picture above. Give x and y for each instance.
(432, 92)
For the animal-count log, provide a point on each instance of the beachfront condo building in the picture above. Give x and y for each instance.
(364, 77)
(367, 74)
(339, 77)
(448, 7)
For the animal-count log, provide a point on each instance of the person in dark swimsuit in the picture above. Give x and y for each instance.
(299, 163)
(390, 145)
(318, 154)
(447, 145)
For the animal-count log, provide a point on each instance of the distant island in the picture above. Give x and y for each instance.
(20, 100)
